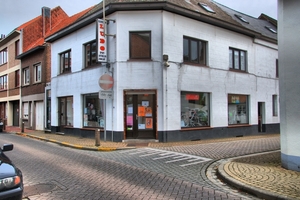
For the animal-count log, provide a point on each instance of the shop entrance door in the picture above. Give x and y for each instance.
(65, 112)
(261, 117)
(140, 116)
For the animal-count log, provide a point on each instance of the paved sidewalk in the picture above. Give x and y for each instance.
(260, 174)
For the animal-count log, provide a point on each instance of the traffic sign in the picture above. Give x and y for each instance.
(105, 94)
(106, 81)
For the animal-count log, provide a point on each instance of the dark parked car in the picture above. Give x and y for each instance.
(11, 180)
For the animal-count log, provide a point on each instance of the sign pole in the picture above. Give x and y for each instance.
(104, 120)
(104, 99)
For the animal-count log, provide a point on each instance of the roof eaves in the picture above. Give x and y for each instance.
(30, 51)
(164, 5)
(9, 37)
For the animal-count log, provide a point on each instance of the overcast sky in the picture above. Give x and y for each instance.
(14, 13)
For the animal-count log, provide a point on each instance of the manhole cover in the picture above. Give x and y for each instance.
(32, 190)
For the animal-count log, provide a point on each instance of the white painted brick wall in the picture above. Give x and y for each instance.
(167, 31)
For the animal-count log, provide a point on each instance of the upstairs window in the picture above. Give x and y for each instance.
(237, 59)
(3, 82)
(3, 56)
(272, 30)
(65, 62)
(277, 69)
(26, 75)
(194, 51)
(17, 78)
(140, 45)
(17, 48)
(37, 73)
(241, 18)
(206, 7)
(90, 52)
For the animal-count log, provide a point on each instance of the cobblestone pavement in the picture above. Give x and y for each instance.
(261, 174)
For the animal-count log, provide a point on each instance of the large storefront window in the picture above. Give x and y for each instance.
(92, 114)
(194, 109)
(238, 109)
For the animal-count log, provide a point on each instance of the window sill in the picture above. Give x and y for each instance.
(195, 128)
(92, 128)
(195, 64)
(238, 125)
(64, 73)
(139, 60)
(237, 70)
(92, 66)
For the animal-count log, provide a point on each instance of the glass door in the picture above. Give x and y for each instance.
(140, 118)
(65, 112)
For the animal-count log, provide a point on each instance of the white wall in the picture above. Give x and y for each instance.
(167, 31)
(259, 82)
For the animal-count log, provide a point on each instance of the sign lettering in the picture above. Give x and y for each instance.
(102, 56)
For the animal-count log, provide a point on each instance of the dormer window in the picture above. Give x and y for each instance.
(271, 29)
(206, 7)
(241, 18)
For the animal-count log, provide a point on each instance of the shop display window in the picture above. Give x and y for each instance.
(195, 109)
(238, 109)
(92, 114)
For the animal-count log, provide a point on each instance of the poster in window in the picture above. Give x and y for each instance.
(129, 120)
(141, 126)
(141, 111)
(148, 111)
(145, 103)
(149, 124)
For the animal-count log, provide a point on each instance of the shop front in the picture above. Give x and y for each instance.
(140, 115)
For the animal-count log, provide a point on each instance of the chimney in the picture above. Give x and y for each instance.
(2, 36)
(46, 15)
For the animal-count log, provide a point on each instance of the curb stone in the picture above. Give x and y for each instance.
(247, 188)
(74, 145)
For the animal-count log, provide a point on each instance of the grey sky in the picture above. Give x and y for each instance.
(13, 13)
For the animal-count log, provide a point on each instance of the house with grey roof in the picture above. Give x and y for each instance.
(164, 70)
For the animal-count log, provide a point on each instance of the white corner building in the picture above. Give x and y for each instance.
(175, 71)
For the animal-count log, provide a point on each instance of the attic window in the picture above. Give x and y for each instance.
(206, 7)
(241, 18)
(271, 29)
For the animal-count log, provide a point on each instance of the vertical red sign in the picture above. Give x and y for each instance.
(101, 41)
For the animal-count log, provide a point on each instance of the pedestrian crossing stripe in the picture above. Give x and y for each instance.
(168, 156)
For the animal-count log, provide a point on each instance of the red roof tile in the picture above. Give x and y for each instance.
(35, 31)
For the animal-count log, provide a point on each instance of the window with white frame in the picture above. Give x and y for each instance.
(3, 82)
(237, 59)
(3, 56)
(25, 110)
(26, 76)
(37, 73)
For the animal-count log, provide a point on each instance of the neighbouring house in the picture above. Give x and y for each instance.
(165, 70)
(10, 92)
(36, 65)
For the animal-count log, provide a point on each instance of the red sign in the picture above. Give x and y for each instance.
(192, 97)
(106, 81)
(101, 41)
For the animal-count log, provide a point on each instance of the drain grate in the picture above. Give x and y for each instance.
(32, 190)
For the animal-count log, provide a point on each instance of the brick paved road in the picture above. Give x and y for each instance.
(64, 173)
(55, 172)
